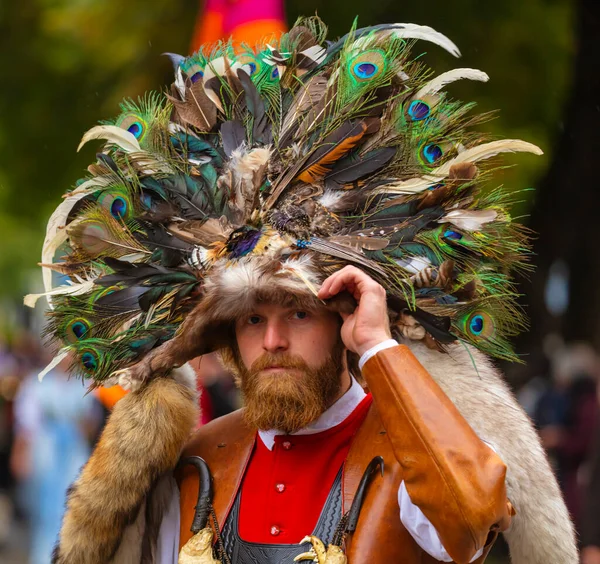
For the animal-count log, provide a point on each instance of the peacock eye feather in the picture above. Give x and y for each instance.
(480, 324)
(476, 324)
(368, 65)
(118, 204)
(134, 124)
(77, 329)
(365, 70)
(193, 69)
(418, 110)
(452, 235)
(432, 153)
(275, 73)
(195, 72)
(251, 64)
(90, 360)
(118, 209)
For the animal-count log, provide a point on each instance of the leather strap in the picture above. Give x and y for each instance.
(226, 445)
(380, 537)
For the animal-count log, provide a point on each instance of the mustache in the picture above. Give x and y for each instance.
(282, 360)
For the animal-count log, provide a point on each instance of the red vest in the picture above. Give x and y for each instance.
(291, 501)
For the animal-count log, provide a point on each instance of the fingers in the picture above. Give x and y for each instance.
(349, 278)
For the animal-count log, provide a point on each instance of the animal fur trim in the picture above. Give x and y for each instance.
(232, 290)
(141, 442)
(541, 532)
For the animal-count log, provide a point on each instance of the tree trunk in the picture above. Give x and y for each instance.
(567, 206)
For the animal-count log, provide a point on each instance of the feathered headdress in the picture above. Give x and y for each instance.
(265, 170)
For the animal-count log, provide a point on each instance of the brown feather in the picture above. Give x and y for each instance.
(198, 110)
(322, 166)
(200, 232)
(459, 174)
(310, 95)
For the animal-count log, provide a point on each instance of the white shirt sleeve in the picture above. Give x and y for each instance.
(421, 529)
(374, 350)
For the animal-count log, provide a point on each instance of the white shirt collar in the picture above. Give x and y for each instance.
(333, 416)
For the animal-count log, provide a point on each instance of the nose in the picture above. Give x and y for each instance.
(275, 338)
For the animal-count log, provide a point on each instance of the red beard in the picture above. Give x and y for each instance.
(289, 400)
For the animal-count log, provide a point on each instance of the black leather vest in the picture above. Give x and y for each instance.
(243, 552)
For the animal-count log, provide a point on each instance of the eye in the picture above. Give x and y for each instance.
(254, 320)
(300, 315)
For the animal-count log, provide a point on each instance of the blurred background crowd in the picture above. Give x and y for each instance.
(66, 64)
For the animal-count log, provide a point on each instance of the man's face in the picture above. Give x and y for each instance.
(290, 363)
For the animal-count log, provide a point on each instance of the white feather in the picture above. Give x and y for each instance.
(414, 265)
(180, 83)
(412, 31)
(217, 67)
(330, 198)
(426, 33)
(112, 134)
(469, 220)
(315, 53)
(435, 85)
(55, 233)
(60, 356)
(472, 155)
(75, 290)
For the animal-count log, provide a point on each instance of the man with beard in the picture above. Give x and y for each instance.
(288, 465)
(213, 218)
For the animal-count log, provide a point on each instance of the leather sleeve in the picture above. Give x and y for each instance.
(456, 480)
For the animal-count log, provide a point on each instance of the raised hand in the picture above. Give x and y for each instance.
(369, 324)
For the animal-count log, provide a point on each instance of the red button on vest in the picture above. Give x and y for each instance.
(286, 445)
(275, 530)
(280, 488)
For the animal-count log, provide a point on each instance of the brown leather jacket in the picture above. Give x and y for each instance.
(449, 473)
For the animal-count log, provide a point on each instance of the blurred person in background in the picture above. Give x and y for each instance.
(9, 382)
(55, 421)
(566, 416)
(218, 393)
(590, 531)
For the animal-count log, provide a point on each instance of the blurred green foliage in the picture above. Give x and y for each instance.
(66, 64)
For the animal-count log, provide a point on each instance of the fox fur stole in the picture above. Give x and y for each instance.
(114, 509)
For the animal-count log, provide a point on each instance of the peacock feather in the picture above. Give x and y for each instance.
(327, 153)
